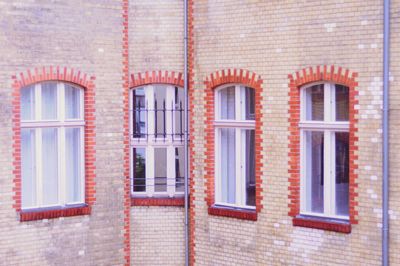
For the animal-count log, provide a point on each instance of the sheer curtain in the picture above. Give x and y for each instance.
(50, 166)
(28, 103)
(72, 164)
(228, 171)
(49, 101)
(72, 102)
(227, 103)
(28, 167)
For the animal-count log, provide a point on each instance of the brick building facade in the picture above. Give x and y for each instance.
(113, 49)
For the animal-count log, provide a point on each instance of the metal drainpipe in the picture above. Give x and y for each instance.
(186, 83)
(385, 122)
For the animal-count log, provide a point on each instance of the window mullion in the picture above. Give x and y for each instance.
(169, 104)
(327, 173)
(39, 177)
(171, 170)
(82, 164)
(333, 172)
(61, 169)
(149, 96)
(238, 105)
(150, 170)
(327, 102)
(239, 167)
(217, 173)
(38, 102)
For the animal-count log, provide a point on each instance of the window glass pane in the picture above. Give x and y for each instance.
(72, 102)
(249, 168)
(315, 102)
(179, 169)
(28, 168)
(228, 165)
(249, 105)
(139, 113)
(50, 166)
(314, 171)
(227, 103)
(28, 103)
(160, 111)
(342, 103)
(73, 164)
(49, 101)
(139, 169)
(160, 169)
(342, 173)
(179, 115)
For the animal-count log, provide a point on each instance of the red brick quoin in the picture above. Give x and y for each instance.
(63, 75)
(215, 80)
(146, 78)
(336, 75)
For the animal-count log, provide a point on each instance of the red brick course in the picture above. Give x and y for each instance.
(213, 81)
(62, 74)
(125, 86)
(328, 74)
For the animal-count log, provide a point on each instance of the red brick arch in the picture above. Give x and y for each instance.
(159, 76)
(324, 73)
(62, 74)
(213, 81)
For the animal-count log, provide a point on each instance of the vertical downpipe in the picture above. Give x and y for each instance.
(385, 122)
(186, 83)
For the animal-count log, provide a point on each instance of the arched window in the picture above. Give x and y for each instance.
(157, 141)
(324, 141)
(235, 146)
(52, 145)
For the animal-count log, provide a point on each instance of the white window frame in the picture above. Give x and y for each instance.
(151, 142)
(60, 123)
(238, 124)
(329, 127)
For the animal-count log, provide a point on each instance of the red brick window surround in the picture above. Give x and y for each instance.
(215, 81)
(75, 81)
(321, 75)
(154, 140)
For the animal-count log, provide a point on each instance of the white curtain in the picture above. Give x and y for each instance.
(227, 103)
(50, 166)
(228, 171)
(49, 101)
(72, 102)
(73, 164)
(27, 103)
(28, 168)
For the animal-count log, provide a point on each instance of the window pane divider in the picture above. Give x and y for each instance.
(337, 126)
(235, 123)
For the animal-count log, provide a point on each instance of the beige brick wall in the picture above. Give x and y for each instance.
(274, 39)
(156, 43)
(157, 235)
(84, 35)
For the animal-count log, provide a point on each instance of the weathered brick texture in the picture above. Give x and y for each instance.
(274, 39)
(85, 36)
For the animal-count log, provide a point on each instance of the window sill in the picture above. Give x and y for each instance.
(335, 225)
(142, 201)
(237, 213)
(51, 213)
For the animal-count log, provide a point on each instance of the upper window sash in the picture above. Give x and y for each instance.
(239, 103)
(329, 104)
(37, 103)
(171, 128)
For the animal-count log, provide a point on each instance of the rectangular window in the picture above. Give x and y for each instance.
(235, 147)
(157, 141)
(52, 146)
(324, 130)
